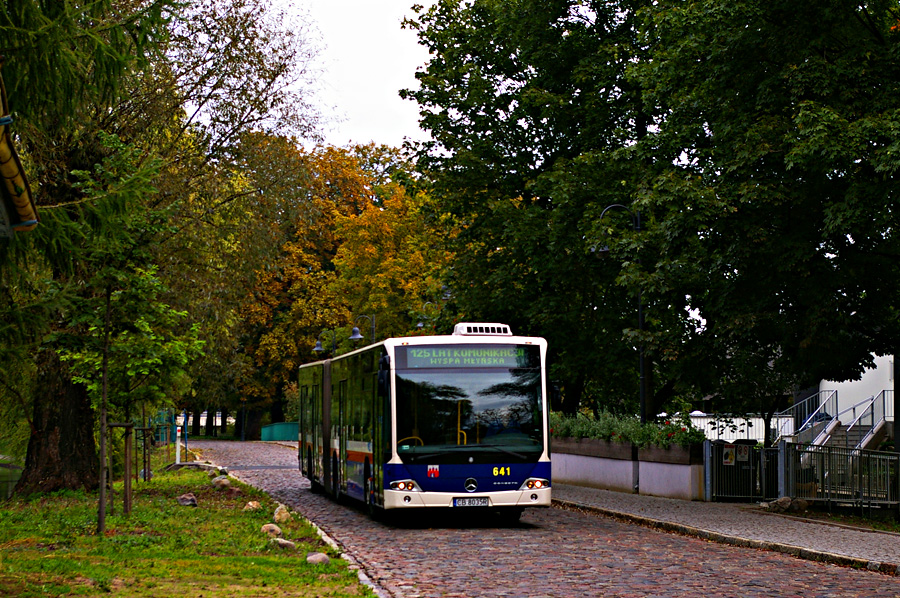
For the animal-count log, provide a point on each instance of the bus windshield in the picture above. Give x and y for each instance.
(463, 414)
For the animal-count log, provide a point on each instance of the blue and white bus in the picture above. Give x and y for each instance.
(431, 421)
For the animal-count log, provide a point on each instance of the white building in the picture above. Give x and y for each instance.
(872, 383)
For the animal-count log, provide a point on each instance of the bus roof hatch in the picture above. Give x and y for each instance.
(479, 329)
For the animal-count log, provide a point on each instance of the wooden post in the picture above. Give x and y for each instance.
(127, 477)
(134, 459)
(145, 451)
(101, 511)
(147, 454)
(110, 499)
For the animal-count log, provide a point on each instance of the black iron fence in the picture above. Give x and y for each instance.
(744, 472)
(841, 475)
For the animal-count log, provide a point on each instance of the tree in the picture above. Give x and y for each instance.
(172, 90)
(527, 103)
(777, 211)
(91, 48)
(754, 140)
(356, 244)
(393, 254)
(292, 300)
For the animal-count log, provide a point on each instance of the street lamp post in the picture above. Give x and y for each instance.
(355, 335)
(642, 379)
(318, 348)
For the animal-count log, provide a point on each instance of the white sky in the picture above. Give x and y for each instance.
(367, 58)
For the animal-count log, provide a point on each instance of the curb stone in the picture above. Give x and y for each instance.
(796, 551)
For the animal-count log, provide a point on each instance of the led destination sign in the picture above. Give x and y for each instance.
(469, 356)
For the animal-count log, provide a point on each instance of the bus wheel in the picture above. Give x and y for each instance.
(335, 479)
(314, 485)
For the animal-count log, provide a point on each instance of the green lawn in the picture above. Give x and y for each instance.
(49, 546)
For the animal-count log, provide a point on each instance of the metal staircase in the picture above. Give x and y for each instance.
(809, 421)
(862, 426)
(854, 430)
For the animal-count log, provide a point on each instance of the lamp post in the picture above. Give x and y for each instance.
(318, 348)
(642, 380)
(355, 335)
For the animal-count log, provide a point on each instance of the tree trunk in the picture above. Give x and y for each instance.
(195, 422)
(276, 411)
(254, 424)
(572, 397)
(240, 423)
(61, 451)
(223, 430)
(210, 429)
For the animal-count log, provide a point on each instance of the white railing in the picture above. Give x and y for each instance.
(808, 417)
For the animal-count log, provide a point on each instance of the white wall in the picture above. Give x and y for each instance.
(873, 381)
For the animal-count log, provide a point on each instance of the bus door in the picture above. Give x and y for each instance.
(382, 446)
(341, 421)
(317, 471)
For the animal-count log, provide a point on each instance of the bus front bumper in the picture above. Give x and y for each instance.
(399, 499)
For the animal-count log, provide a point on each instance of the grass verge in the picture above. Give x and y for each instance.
(883, 520)
(49, 546)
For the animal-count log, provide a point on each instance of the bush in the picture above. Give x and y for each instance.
(614, 428)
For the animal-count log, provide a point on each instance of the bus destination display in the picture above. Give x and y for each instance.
(466, 357)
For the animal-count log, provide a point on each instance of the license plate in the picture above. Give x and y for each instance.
(470, 502)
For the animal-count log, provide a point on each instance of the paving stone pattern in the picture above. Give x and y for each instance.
(554, 552)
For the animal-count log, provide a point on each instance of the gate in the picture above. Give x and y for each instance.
(740, 471)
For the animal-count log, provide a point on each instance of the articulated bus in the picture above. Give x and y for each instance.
(431, 421)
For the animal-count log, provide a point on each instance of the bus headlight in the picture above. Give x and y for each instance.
(405, 486)
(535, 484)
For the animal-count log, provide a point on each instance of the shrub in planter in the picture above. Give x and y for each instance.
(615, 428)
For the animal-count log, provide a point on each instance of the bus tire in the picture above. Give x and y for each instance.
(372, 509)
(335, 479)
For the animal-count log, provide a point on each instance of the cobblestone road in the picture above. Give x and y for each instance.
(551, 552)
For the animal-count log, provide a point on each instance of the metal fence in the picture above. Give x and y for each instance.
(841, 475)
(281, 431)
(740, 472)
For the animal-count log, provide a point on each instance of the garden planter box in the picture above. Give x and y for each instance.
(678, 455)
(592, 447)
(673, 471)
